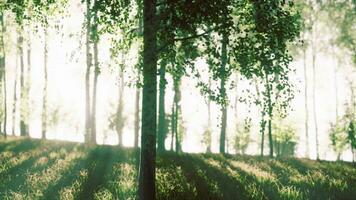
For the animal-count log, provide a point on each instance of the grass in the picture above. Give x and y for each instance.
(32, 169)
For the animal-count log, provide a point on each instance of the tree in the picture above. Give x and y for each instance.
(87, 133)
(285, 138)
(3, 66)
(267, 57)
(148, 130)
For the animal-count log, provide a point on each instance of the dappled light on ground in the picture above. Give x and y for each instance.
(34, 169)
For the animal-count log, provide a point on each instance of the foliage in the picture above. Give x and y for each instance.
(242, 137)
(285, 139)
(338, 137)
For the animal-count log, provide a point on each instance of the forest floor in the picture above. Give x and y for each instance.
(32, 169)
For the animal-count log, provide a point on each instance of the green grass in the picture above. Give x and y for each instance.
(32, 169)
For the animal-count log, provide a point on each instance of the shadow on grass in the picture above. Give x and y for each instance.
(19, 145)
(210, 183)
(99, 163)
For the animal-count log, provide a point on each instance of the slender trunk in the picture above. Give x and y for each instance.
(314, 102)
(94, 97)
(137, 113)
(95, 81)
(23, 131)
(14, 107)
(270, 115)
(87, 137)
(119, 113)
(177, 98)
(306, 104)
(172, 125)
(138, 90)
(262, 122)
(28, 82)
(161, 113)
(45, 84)
(208, 149)
(3, 65)
(336, 95)
(223, 93)
(149, 104)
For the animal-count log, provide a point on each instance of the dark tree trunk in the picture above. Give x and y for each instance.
(149, 104)
(87, 133)
(161, 113)
(223, 93)
(45, 85)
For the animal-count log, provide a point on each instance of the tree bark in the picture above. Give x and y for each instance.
(306, 104)
(28, 82)
(173, 125)
(149, 104)
(87, 133)
(262, 130)
(314, 102)
(270, 115)
(208, 149)
(23, 125)
(137, 113)
(95, 81)
(177, 98)
(3, 70)
(161, 113)
(120, 108)
(45, 84)
(223, 93)
(14, 107)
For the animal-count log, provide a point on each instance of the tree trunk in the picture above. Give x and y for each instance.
(270, 115)
(262, 122)
(3, 70)
(23, 116)
(208, 149)
(336, 95)
(14, 107)
(223, 93)
(28, 82)
(161, 113)
(172, 125)
(120, 108)
(137, 113)
(177, 98)
(95, 81)
(149, 104)
(87, 137)
(306, 105)
(45, 84)
(314, 102)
